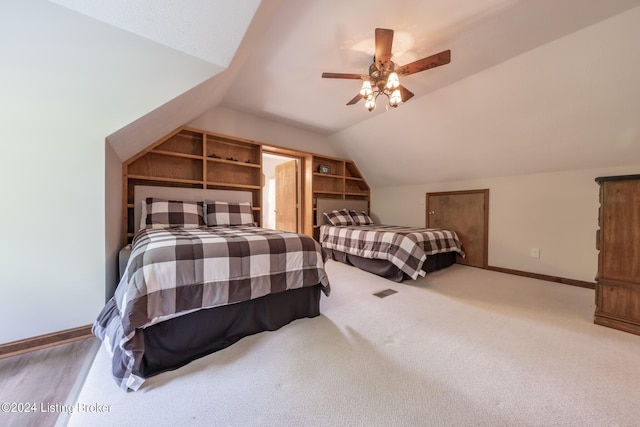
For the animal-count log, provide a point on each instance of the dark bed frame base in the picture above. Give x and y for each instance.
(386, 269)
(178, 341)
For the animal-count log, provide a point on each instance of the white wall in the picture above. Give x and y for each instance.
(556, 212)
(66, 82)
(52, 175)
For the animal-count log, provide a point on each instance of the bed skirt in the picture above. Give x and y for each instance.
(178, 341)
(386, 269)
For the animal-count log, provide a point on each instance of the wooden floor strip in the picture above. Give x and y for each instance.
(40, 342)
(44, 378)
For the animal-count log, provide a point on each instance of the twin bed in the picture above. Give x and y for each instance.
(200, 275)
(347, 234)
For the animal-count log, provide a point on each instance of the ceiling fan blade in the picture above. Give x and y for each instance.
(384, 41)
(341, 76)
(405, 93)
(355, 99)
(432, 61)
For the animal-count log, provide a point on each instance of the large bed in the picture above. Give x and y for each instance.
(348, 235)
(201, 276)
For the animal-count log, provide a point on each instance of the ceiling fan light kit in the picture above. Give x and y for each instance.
(383, 78)
(382, 85)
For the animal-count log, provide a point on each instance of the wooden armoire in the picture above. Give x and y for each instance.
(618, 240)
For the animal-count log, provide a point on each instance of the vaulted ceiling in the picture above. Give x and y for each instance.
(532, 86)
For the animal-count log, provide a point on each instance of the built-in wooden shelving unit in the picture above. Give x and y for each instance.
(343, 180)
(194, 158)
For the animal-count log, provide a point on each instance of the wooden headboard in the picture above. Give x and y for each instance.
(141, 192)
(328, 205)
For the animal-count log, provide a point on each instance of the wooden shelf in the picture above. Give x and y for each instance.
(329, 192)
(176, 154)
(326, 175)
(212, 184)
(336, 166)
(237, 151)
(159, 165)
(164, 179)
(184, 142)
(233, 162)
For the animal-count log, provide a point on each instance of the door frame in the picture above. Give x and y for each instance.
(305, 207)
(485, 260)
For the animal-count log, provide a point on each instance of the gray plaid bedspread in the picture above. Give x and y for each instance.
(172, 272)
(405, 247)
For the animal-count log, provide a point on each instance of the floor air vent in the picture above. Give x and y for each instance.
(385, 293)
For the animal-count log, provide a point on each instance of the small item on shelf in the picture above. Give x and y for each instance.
(324, 169)
(232, 159)
(214, 155)
(249, 161)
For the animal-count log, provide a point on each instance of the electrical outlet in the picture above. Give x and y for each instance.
(535, 253)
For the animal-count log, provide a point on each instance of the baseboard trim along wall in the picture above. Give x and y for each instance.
(556, 279)
(40, 342)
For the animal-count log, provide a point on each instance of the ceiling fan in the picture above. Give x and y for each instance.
(384, 75)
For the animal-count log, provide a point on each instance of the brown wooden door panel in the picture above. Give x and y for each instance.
(466, 213)
(286, 196)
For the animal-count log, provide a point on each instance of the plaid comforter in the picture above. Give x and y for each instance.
(405, 247)
(175, 271)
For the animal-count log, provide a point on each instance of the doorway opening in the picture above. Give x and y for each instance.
(281, 193)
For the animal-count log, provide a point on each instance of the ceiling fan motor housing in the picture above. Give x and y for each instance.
(379, 76)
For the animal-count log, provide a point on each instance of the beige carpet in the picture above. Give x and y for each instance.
(460, 347)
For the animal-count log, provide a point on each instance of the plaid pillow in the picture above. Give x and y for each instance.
(339, 218)
(174, 213)
(225, 213)
(360, 218)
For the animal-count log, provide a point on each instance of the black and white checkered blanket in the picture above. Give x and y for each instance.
(227, 265)
(405, 247)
